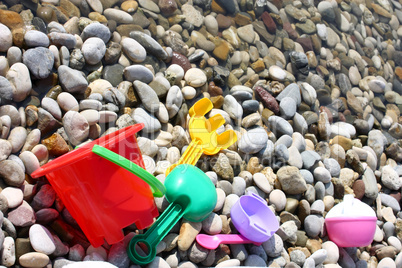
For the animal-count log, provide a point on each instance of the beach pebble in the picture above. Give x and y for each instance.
(93, 50)
(212, 224)
(174, 100)
(33, 259)
(8, 252)
(30, 161)
(195, 77)
(66, 101)
(133, 50)
(151, 123)
(41, 239)
(390, 178)
(39, 61)
(148, 96)
(17, 138)
(76, 127)
(313, 225)
(19, 77)
(72, 81)
(232, 107)
(6, 38)
(253, 141)
(13, 195)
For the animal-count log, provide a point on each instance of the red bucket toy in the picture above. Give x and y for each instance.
(101, 196)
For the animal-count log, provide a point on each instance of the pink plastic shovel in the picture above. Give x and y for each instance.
(213, 241)
(252, 218)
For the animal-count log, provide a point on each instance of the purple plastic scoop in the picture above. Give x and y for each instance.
(253, 219)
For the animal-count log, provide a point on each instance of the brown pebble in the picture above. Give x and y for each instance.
(223, 21)
(387, 251)
(167, 7)
(268, 22)
(11, 19)
(181, 60)
(130, 6)
(313, 245)
(254, 165)
(56, 145)
(242, 20)
(267, 99)
(214, 90)
(306, 43)
(217, 101)
(221, 50)
(358, 189)
(342, 141)
(31, 114)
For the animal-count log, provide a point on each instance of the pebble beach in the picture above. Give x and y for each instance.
(312, 89)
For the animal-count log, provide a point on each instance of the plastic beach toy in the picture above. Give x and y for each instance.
(253, 219)
(204, 138)
(192, 196)
(101, 196)
(351, 223)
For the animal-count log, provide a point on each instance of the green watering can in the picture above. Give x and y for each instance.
(192, 196)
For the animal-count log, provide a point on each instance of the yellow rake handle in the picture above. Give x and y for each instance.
(190, 156)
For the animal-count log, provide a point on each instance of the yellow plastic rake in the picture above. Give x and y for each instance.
(204, 138)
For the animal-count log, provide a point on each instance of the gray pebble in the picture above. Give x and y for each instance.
(319, 190)
(17, 138)
(287, 107)
(333, 166)
(138, 72)
(91, 104)
(76, 127)
(230, 200)
(310, 158)
(197, 253)
(96, 30)
(322, 174)
(285, 140)
(238, 186)
(118, 255)
(12, 173)
(253, 141)
(148, 96)
(174, 100)
(232, 107)
(34, 38)
(52, 107)
(72, 81)
(274, 246)
(212, 224)
(133, 50)
(280, 126)
(317, 207)
(6, 38)
(151, 123)
(239, 251)
(313, 225)
(307, 175)
(6, 90)
(255, 260)
(298, 257)
(93, 50)
(391, 202)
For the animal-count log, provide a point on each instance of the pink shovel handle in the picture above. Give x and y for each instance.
(213, 241)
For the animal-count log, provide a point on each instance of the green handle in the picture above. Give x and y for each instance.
(157, 188)
(155, 234)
